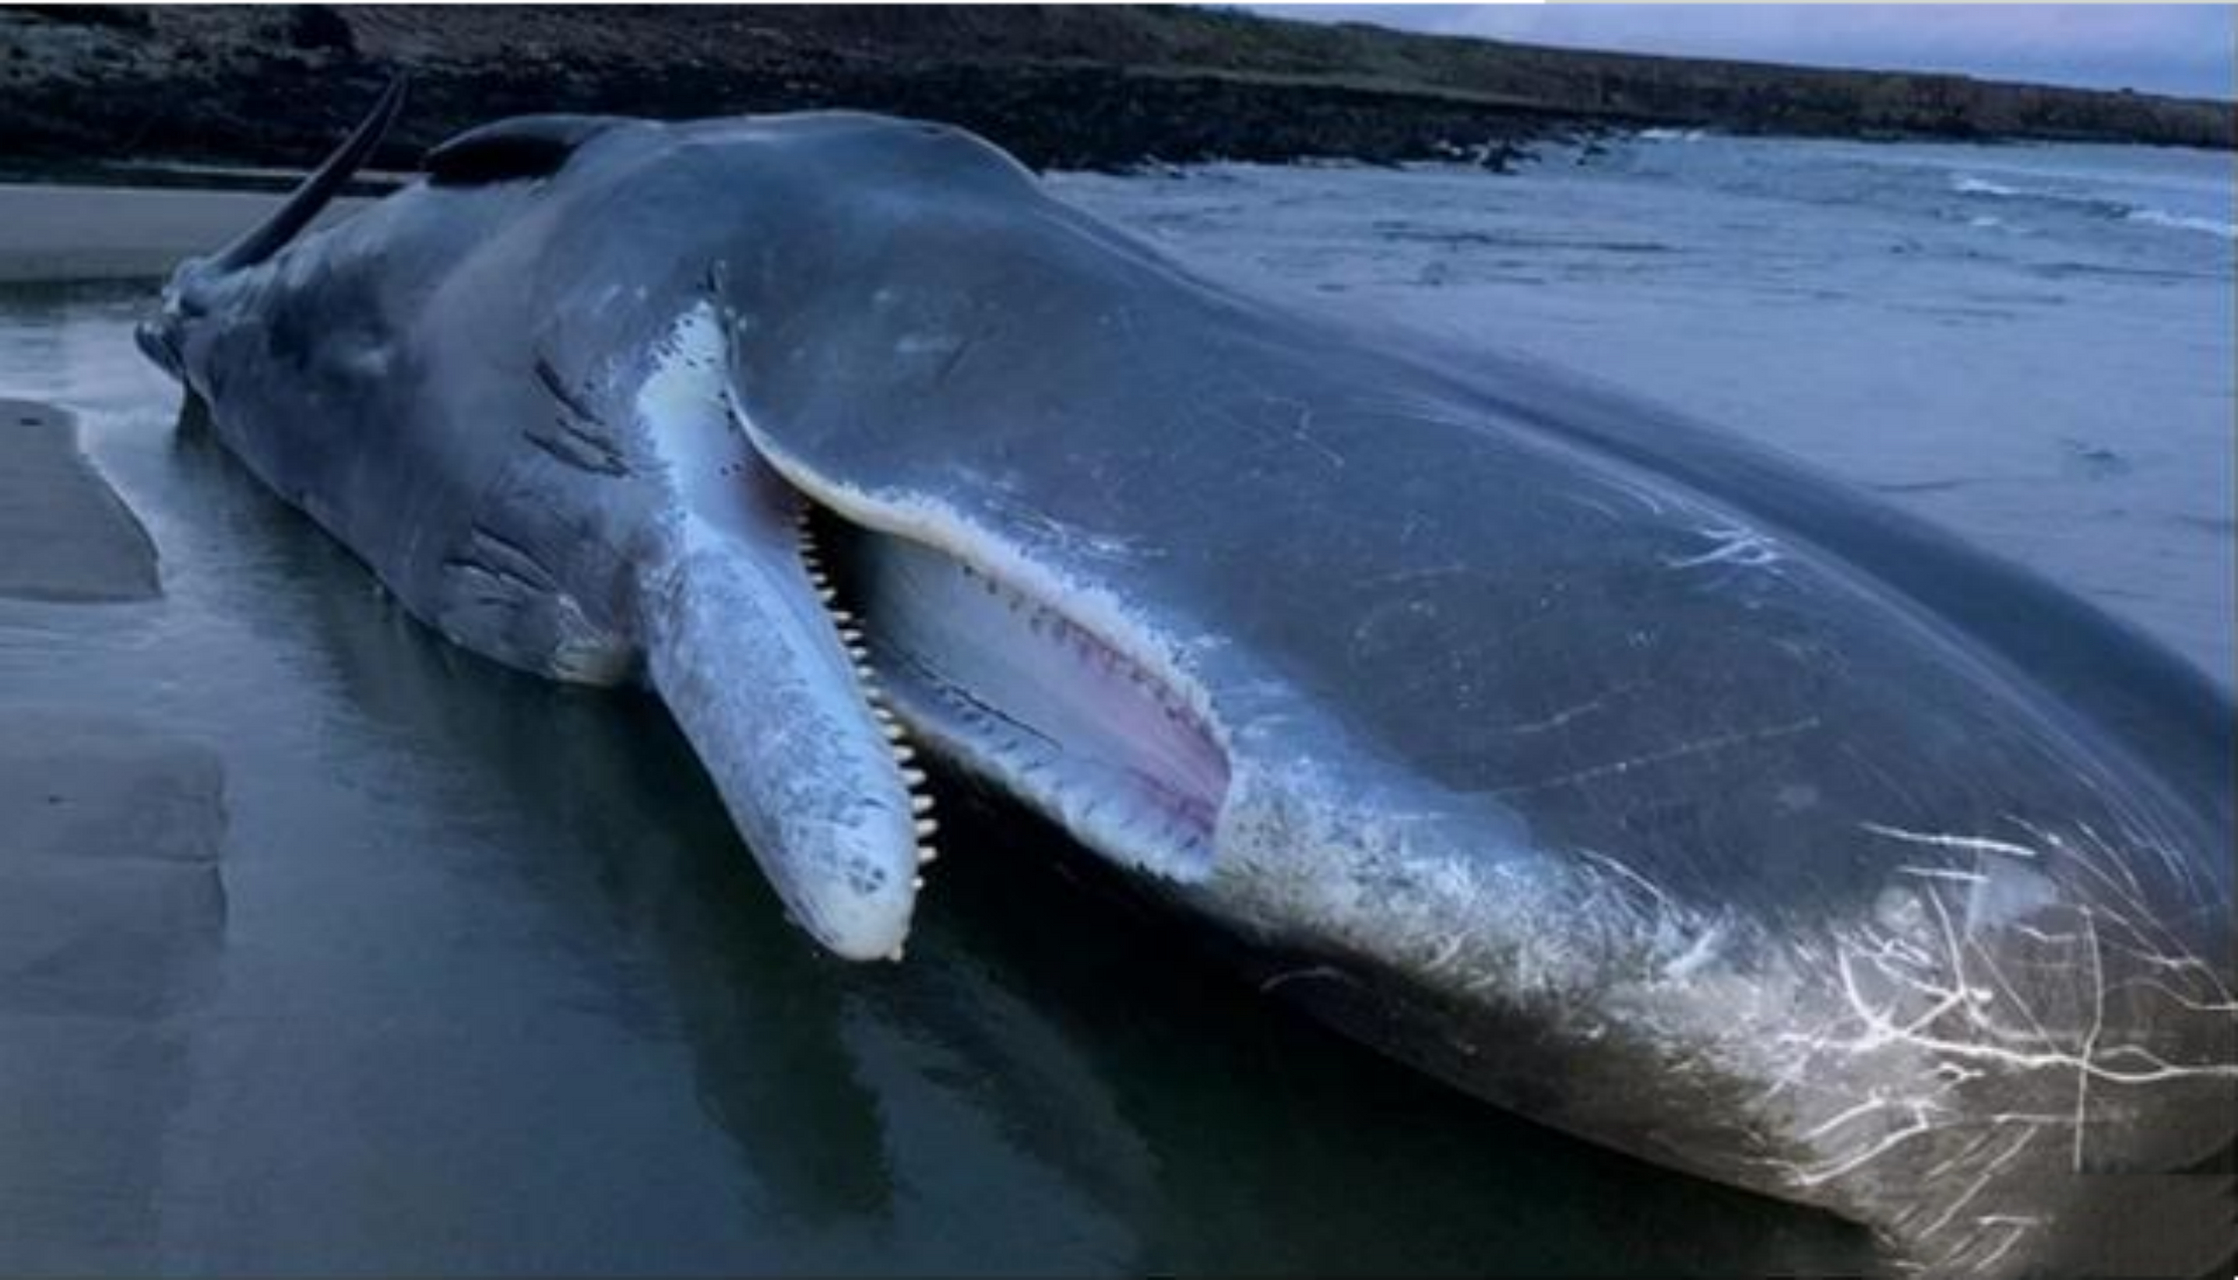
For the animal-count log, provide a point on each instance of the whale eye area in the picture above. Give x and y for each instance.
(1028, 699)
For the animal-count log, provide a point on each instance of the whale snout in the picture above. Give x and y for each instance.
(155, 342)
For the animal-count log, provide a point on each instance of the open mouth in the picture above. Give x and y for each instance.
(804, 632)
(1016, 690)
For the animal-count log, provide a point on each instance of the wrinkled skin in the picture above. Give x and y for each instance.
(1604, 766)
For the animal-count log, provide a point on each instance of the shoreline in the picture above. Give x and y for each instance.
(60, 232)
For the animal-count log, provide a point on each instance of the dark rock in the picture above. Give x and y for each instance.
(120, 17)
(315, 26)
(1089, 86)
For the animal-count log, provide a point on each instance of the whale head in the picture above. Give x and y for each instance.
(200, 287)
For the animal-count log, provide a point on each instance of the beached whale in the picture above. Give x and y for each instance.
(1597, 762)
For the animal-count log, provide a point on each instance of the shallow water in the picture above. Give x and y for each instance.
(496, 989)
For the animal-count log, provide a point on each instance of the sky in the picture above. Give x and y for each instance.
(2177, 49)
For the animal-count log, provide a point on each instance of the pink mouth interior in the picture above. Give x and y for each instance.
(1035, 702)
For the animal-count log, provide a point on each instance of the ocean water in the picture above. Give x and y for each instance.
(498, 990)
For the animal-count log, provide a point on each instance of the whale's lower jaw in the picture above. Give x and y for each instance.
(1017, 691)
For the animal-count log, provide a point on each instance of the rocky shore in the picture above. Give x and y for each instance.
(1095, 87)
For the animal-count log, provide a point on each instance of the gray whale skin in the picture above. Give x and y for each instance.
(1611, 769)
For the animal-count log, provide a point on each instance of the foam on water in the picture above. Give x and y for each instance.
(2097, 202)
(1968, 185)
(2184, 222)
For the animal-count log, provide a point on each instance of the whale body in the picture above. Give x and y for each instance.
(1619, 772)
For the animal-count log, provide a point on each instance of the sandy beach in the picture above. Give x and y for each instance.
(64, 534)
(112, 916)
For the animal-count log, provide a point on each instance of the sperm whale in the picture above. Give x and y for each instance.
(1603, 765)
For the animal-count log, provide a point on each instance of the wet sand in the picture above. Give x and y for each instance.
(108, 864)
(114, 233)
(112, 912)
(112, 915)
(64, 533)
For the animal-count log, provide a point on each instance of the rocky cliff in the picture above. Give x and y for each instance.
(1081, 87)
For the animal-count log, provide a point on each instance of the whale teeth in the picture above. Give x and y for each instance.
(851, 632)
